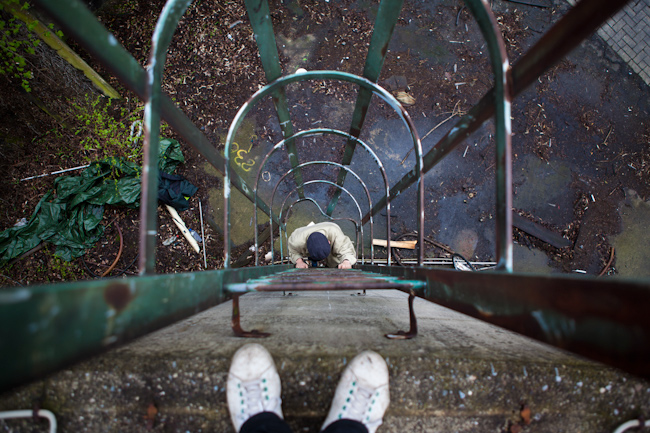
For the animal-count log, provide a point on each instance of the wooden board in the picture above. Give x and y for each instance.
(395, 244)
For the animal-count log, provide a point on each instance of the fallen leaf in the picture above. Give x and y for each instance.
(525, 414)
(515, 428)
(405, 98)
(152, 411)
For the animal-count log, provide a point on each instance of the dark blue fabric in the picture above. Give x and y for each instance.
(346, 426)
(318, 247)
(265, 422)
(269, 422)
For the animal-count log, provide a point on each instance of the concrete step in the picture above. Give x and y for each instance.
(459, 374)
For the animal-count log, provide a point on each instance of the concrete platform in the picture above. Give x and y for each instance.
(459, 374)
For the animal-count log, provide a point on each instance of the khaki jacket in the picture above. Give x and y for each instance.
(341, 245)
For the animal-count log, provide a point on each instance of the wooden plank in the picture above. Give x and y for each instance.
(395, 244)
(539, 231)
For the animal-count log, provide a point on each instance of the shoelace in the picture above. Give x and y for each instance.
(254, 399)
(359, 406)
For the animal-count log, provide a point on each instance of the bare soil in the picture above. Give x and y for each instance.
(212, 69)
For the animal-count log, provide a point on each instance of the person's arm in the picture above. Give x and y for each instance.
(344, 251)
(295, 253)
(345, 264)
(300, 264)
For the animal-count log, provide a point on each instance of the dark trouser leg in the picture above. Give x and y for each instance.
(346, 426)
(265, 422)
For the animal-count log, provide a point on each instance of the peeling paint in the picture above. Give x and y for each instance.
(14, 296)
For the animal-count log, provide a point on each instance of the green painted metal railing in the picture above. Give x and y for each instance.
(44, 328)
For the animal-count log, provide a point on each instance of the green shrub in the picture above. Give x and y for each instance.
(109, 129)
(16, 44)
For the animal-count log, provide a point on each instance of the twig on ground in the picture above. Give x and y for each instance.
(456, 112)
(609, 263)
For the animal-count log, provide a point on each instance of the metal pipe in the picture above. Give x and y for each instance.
(162, 37)
(344, 168)
(387, 16)
(43, 413)
(317, 132)
(309, 183)
(604, 320)
(503, 101)
(260, 19)
(356, 224)
(324, 75)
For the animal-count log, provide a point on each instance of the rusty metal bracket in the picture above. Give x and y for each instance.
(413, 324)
(236, 322)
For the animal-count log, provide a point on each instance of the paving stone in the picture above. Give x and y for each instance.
(628, 34)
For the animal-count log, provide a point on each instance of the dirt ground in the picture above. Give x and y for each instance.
(213, 67)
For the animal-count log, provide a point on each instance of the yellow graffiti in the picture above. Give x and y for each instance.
(239, 158)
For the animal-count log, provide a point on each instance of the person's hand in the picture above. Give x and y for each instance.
(300, 264)
(345, 264)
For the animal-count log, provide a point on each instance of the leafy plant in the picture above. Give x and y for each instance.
(108, 130)
(16, 44)
(66, 270)
(13, 48)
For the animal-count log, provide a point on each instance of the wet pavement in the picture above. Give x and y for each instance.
(579, 141)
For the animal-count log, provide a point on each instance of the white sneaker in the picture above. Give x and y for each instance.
(253, 384)
(362, 393)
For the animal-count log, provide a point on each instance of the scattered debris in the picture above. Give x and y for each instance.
(181, 226)
(396, 83)
(608, 264)
(405, 98)
(55, 172)
(525, 414)
(458, 17)
(395, 244)
(539, 232)
(170, 240)
(150, 417)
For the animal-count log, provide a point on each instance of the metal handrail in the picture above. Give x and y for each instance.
(356, 224)
(335, 164)
(324, 75)
(327, 182)
(318, 132)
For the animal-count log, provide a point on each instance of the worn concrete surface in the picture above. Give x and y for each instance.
(459, 374)
(632, 243)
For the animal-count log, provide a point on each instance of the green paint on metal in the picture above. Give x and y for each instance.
(389, 11)
(320, 75)
(603, 319)
(162, 37)
(260, 18)
(80, 23)
(44, 328)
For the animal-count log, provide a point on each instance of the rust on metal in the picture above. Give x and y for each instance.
(413, 323)
(331, 286)
(605, 320)
(236, 325)
(118, 296)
